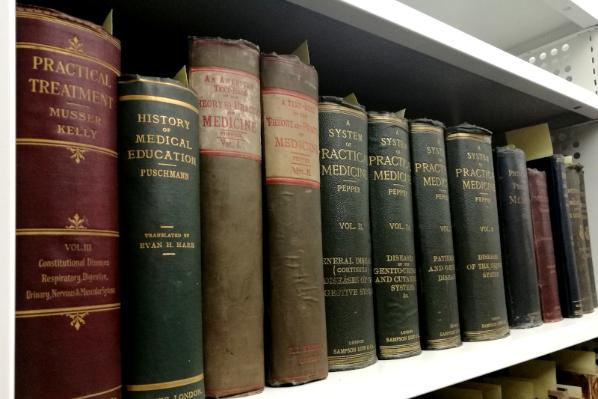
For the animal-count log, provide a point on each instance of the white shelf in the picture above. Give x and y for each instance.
(406, 378)
(408, 27)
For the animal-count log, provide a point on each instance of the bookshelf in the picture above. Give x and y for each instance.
(391, 56)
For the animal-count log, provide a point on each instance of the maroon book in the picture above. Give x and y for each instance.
(544, 246)
(67, 296)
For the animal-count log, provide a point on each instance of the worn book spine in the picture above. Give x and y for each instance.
(346, 235)
(475, 223)
(439, 311)
(393, 248)
(67, 341)
(586, 228)
(544, 246)
(556, 179)
(225, 76)
(579, 237)
(517, 239)
(158, 143)
(297, 321)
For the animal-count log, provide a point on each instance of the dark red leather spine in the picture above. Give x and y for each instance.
(67, 295)
(544, 246)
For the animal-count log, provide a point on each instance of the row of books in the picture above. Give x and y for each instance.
(566, 374)
(360, 236)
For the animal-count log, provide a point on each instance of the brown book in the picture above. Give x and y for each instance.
(579, 237)
(297, 321)
(586, 228)
(225, 76)
(67, 341)
(544, 246)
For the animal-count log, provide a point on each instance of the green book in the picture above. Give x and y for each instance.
(160, 239)
(346, 234)
(439, 309)
(393, 249)
(474, 214)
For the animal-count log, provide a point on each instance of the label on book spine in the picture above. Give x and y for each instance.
(160, 239)
(229, 111)
(475, 223)
(67, 341)
(346, 235)
(291, 142)
(439, 312)
(393, 250)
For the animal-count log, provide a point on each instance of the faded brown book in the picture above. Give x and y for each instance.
(225, 76)
(586, 228)
(297, 322)
(579, 237)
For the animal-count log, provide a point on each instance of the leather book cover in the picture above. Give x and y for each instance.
(438, 300)
(225, 76)
(67, 342)
(476, 231)
(346, 234)
(393, 248)
(586, 228)
(544, 246)
(579, 237)
(566, 269)
(297, 346)
(158, 145)
(517, 239)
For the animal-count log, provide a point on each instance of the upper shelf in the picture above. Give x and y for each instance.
(390, 55)
(408, 27)
(406, 378)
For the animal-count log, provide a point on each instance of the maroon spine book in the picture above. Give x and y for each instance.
(544, 247)
(67, 297)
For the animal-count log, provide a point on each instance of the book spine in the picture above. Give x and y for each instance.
(393, 248)
(544, 246)
(67, 293)
(586, 227)
(579, 238)
(297, 346)
(346, 236)
(439, 311)
(516, 232)
(225, 76)
(477, 251)
(158, 145)
(569, 292)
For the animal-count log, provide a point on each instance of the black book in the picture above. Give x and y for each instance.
(517, 239)
(556, 179)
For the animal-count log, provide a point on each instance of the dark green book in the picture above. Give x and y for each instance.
(346, 234)
(517, 239)
(579, 237)
(476, 231)
(439, 309)
(393, 249)
(158, 131)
